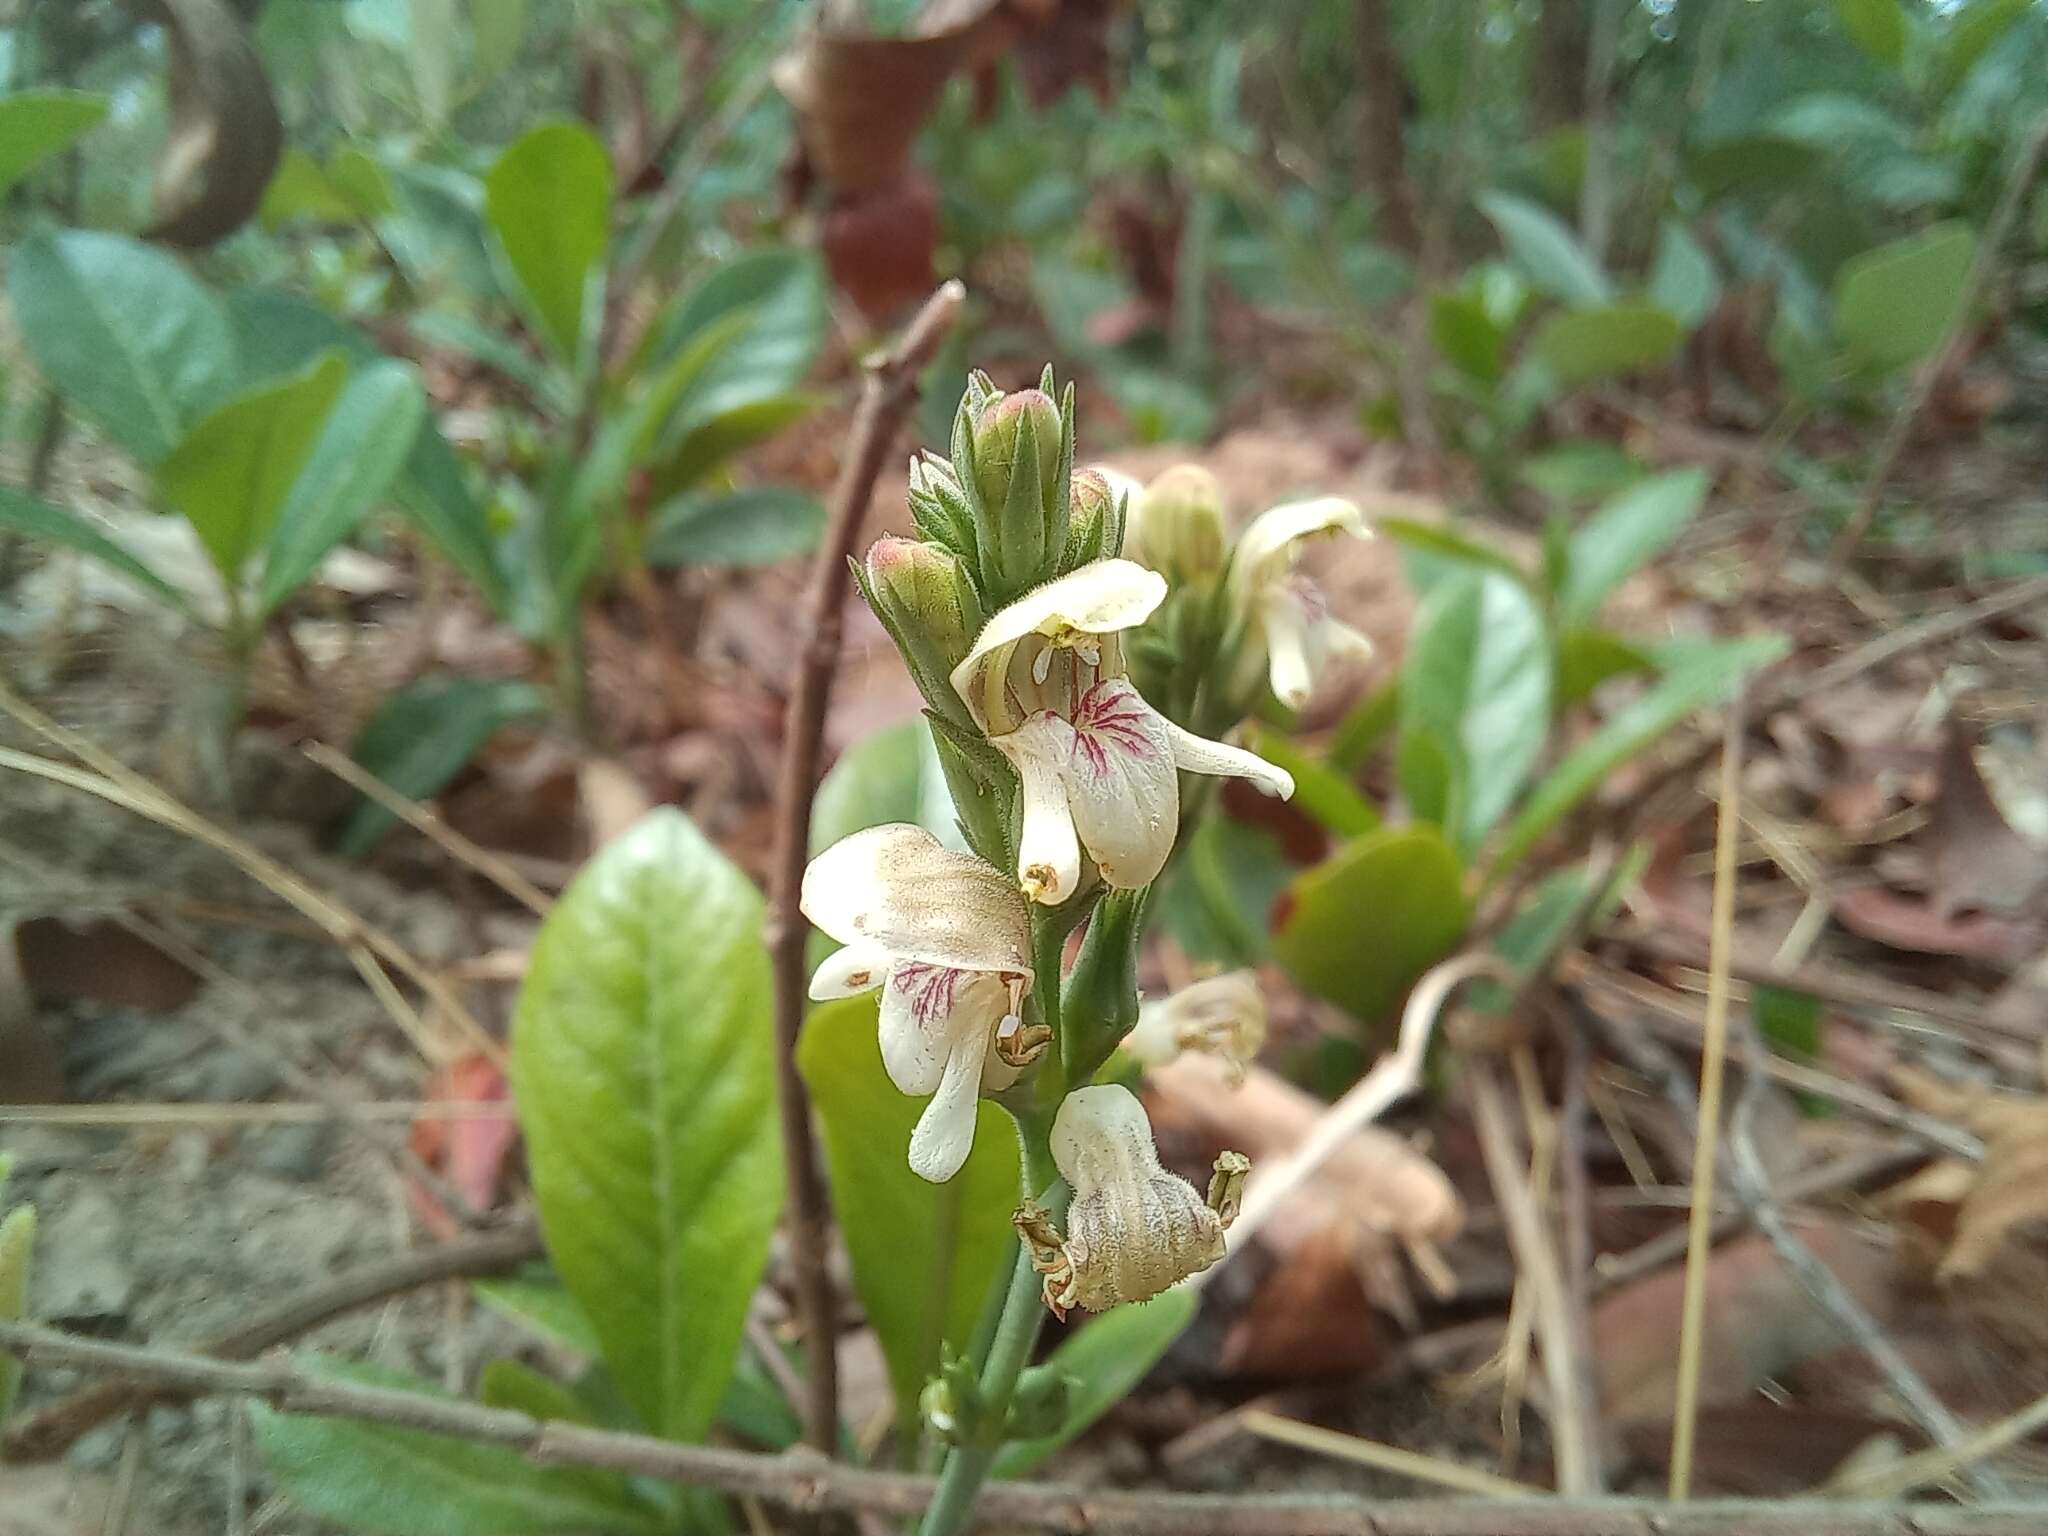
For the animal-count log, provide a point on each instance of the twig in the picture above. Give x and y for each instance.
(1386, 1458)
(886, 398)
(1939, 625)
(1699, 1241)
(804, 1481)
(428, 822)
(1752, 1185)
(1576, 1188)
(1536, 1267)
(54, 1430)
(1936, 363)
(267, 1112)
(1937, 1462)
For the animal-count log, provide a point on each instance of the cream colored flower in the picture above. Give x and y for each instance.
(946, 938)
(1098, 765)
(1133, 1229)
(1221, 1016)
(1286, 620)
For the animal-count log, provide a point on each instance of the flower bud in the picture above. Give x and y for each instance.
(1019, 458)
(938, 507)
(923, 598)
(1179, 530)
(1095, 526)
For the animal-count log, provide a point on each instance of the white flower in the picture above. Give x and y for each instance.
(1133, 1229)
(1221, 1016)
(1286, 620)
(948, 942)
(1098, 765)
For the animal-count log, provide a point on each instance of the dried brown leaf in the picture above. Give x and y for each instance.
(225, 135)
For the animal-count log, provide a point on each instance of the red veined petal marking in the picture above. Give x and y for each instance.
(931, 988)
(1111, 716)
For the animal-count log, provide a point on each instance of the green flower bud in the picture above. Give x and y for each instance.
(1095, 529)
(922, 595)
(1014, 457)
(1179, 531)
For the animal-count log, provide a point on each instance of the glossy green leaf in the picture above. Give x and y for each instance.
(406, 1482)
(425, 734)
(231, 474)
(755, 526)
(1427, 775)
(888, 775)
(1324, 793)
(1435, 555)
(1702, 679)
(549, 202)
(924, 1255)
(123, 333)
(1366, 922)
(1580, 471)
(366, 440)
(1477, 678)
(1628, 532)
(1682, 280)
(1466, 335)
(49, 523)
(1103, 1362)
(511, 1384)
(300, 189)
(1369, 723)
(1586, 658)
(1972, 30)
(543, 1306)
(781, 292)
(1878, 27)
(17, 1248)
(36, 125)
(1544, 251)
(1607, 342)
(643, 1062)
(707, 446)
(1758, 167)
(1894, 305)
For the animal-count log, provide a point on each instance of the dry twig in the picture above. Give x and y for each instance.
(886, 398)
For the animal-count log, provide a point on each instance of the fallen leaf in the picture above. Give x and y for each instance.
(225, 135)
(1979, 861)
(97, 960)
(1908, 922)
(470, 1151)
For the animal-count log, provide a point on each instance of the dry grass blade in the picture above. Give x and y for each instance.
(1383, 1457)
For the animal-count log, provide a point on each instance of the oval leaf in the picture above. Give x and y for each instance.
(1682, 278)
(1608, 342)
(1629, 531)
(1878, 27)
(232, 473)
(1544, 251)
(1366, 922)
(34, 125)
(425, 734)
(1478, 680)
(123, 333)
(1894, 305)
(755, 526)
(49, 523)
(549, 201)
(924, 1255)
(643, 1062)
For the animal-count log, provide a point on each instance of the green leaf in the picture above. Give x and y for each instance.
(1104, 1361)
(1608, 342)
(367, 438)
(35, 125)
(51, 524)
(1544, 251)
(544, 1307)
(1428, 778)
(1627, 533)
(1682, 280)
(1436, 555)
(643, 1062)
(1972, 29)
(1878, 27)
(123, 333)
(425, 734)
(1477, 678)
(17, 1247)
(888, 775)
(1702, 679)
(755, 526)
(437, 497)
(1322, 791)
(1366, 922)
(1579, 471)
(549, 201)
(299, 189)
(1218, 896)
(1370, 721)
(708, 445)
(406, 1482)
(924, 1255)
(1894, 305)
(496, 28)
(782, 294)
(1586, 658)
(231, 474)
(1467, 335)
(510, 1384)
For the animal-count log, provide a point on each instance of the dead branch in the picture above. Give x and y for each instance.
(803, 1481)
(886, 399)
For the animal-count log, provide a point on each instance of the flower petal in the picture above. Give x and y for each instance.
(1272, 535)
(1285, 625)
(1099, 599)
(945, 1131)
(897, 888)
(1198, 754)
(1048, 852)
(925, 1009)
(847, 972)
(1121, 785)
